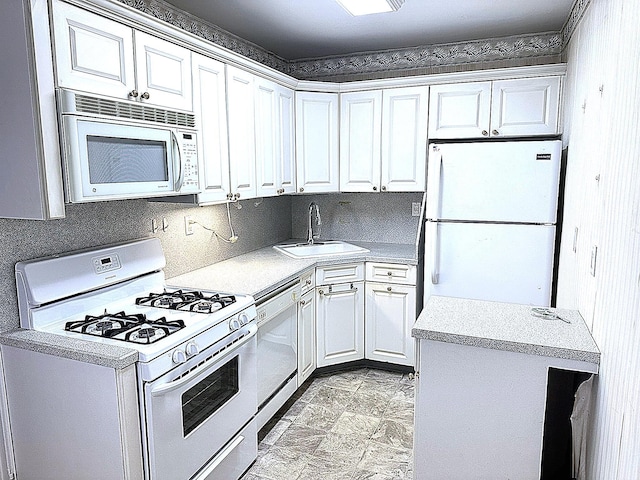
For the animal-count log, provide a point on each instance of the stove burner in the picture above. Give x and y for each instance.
(129, 328)
(190, 301)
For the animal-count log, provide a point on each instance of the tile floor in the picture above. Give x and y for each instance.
(351, 425)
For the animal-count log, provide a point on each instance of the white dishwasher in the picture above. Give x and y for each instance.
(277, 356)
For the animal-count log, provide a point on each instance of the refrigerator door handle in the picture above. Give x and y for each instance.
(435, 199)
(435, 257)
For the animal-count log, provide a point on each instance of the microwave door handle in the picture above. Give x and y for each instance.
(178, 162)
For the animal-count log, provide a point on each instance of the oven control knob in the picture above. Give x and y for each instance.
(191, 349)
(234, 324)
(179, 357)
(244, 318)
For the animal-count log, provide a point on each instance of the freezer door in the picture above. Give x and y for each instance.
(494, 182)
(494, 262)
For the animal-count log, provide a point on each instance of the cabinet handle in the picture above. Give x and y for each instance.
(133, 93)
(145, 96)
(302, 302)
(390, 274)
(308, 282)
(388, 289)
(301, 189)
(495, 132)
(330, 292)
(375, 189)
(384, 189)
(485, 133)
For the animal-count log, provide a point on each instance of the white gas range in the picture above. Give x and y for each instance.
(196, 351)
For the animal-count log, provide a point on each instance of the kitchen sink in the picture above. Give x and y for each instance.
(319, 249)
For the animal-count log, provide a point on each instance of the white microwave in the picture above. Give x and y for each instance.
(116, 150)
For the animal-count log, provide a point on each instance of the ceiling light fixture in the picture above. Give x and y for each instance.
(366, 7)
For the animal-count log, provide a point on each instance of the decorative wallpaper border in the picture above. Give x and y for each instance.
(422, 57)
(577, 11)
(441, 55)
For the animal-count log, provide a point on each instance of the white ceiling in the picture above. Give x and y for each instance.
(296, 29)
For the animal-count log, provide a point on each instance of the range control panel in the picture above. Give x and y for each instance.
(106, 263)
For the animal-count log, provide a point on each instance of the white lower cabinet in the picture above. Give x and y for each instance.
(390, 311)
(340, 318)
(306, 336)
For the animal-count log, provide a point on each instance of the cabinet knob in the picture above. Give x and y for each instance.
(485, 133)
(495, 132)
(145, 96)
(302, 302)
(229, 196)
(308, 282)
(390, 274)
(301, 189)
(384, 189)
(133, 93)
(388, 289)
(237, 196)
(375, 189)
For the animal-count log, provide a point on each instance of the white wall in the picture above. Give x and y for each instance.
(602, 134)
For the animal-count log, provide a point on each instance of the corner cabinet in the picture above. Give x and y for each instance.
(102, 56)
(501, 108)
(275, 155)
(340, 314)
(317, 136)
(383, 140)
(390, 311)
(210, 106)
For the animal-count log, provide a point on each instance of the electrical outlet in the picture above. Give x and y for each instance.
(415, 209)
(188, 225)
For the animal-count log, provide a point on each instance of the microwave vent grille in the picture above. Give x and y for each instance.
(133, 111)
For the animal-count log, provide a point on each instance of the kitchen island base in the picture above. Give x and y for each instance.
(480, 412)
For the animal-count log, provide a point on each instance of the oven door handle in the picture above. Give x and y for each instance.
(176, 384)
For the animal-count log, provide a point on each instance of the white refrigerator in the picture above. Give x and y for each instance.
(491, 220)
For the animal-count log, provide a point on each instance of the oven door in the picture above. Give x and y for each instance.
(196, 409)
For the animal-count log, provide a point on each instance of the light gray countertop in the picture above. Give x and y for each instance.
(505, 326)
(262, 271)
(73, 348)
(256, 273)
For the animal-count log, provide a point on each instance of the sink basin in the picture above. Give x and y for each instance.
(319, 249)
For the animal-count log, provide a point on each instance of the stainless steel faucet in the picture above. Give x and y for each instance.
(311, 236)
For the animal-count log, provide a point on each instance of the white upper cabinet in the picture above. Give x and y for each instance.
(383, 140)
(460, 110)
(360, 127)
(525, 106)
(516, 107)
(163, 72)
(275, 159)
(404, 139)
(241, 117)
(98, 55)
(317, 151)
(210, 105)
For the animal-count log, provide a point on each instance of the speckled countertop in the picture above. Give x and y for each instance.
(505, 326)
(256, 273)
(262, 271)
(76, 349)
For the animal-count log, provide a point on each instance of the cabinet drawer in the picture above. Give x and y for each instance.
(307, 281)
(351, 272)
(391, 273)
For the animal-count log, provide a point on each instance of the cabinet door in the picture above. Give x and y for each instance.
(360, 127)
(286, 139)
(317, 153)
(340, 323)
(93, 54)
(306, 337)
(404, 139)
(460, 110)
(390, 313)
(210, 101)
(526, 106)
(267, 141)
(240, 104)
(164, 72)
